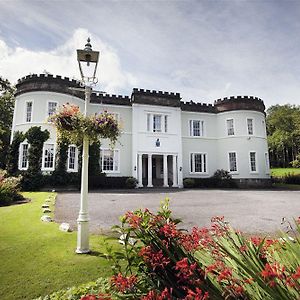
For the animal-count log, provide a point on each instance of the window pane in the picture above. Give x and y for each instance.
(230, 128)
(253, 161)
(28, 111)
(250, 126)
(196, 128)
(51, 108)
(232, 162)
(198, 163)
(72, 158)
(24, 156)
(156, 123)
(49, 156)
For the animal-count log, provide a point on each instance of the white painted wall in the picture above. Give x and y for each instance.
(136, 139)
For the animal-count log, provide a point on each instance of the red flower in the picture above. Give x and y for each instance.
(123, 284)
(133, 220)
(271, 272)
(155, 259)
(296, 276)
(188, 272)
(217, 219)
(256, 241)
(169, 230)
(197, 295)
(226, 274)
(153, 295)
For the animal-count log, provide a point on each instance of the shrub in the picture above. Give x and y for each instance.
(291, 178)
(9, 189)
(223, 179)
(131, 182)
(296, 163)
(164, 262)
(75, 293)
(189, 183)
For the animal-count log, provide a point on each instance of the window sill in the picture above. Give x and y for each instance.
(72, 171)
(111, 172)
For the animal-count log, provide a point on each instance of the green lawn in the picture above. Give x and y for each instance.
(37, 258)
(279, 172)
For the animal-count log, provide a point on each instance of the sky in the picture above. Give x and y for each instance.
(204, 50)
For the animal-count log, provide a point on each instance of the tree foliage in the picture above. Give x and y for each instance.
(283, 128)
(7, 101)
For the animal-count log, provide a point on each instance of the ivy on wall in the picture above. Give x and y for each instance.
(94, 158)
(36, 138)
(13, 153)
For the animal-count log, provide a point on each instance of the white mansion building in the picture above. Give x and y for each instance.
(163, 141)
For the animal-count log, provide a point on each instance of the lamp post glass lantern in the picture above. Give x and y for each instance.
(88, 62)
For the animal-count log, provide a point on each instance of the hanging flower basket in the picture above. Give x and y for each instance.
(73, 126)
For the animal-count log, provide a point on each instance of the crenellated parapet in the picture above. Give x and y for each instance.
(110, 99)
(48, 83)
(239, 103)
(152, 97)
(197, 107)
(65, 85)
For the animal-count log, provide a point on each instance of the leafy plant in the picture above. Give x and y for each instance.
(13, 153)
(189, 183)
(72, 125)
(163, 261)
(9, 188)
(131, 182)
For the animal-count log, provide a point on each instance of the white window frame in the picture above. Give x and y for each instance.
(21, 156)
(47, 109)
(116, 154)
(256, 165)
(31, 115)
(248, 133)
(43, 157)
(192, 162)
(227, 127)
(267, 163)
(75, 159)
(164, 122)
(236, 162)
(201, 127)
(157, 130)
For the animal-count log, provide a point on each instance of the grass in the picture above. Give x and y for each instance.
(38, 259)
(280, 172)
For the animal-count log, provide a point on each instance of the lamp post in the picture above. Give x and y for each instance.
(88, 61)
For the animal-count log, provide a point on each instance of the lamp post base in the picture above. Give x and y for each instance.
(83, 237)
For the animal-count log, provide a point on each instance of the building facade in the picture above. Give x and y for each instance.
(164, 139)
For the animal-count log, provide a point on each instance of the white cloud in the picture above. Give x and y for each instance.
(18, 62)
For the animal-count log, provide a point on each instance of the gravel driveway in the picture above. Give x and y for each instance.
(250, 211)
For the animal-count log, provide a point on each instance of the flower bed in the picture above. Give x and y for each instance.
(163, 261)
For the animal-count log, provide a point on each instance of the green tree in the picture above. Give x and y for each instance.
(7, 101)
(283, 128)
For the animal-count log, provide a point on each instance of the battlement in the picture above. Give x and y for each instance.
(239, 103)
(38, 77)
(236, 98)
(153, 97)
(48, 83)
(197, 107)
(155, 93)
(110, 99)
(64, 85)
